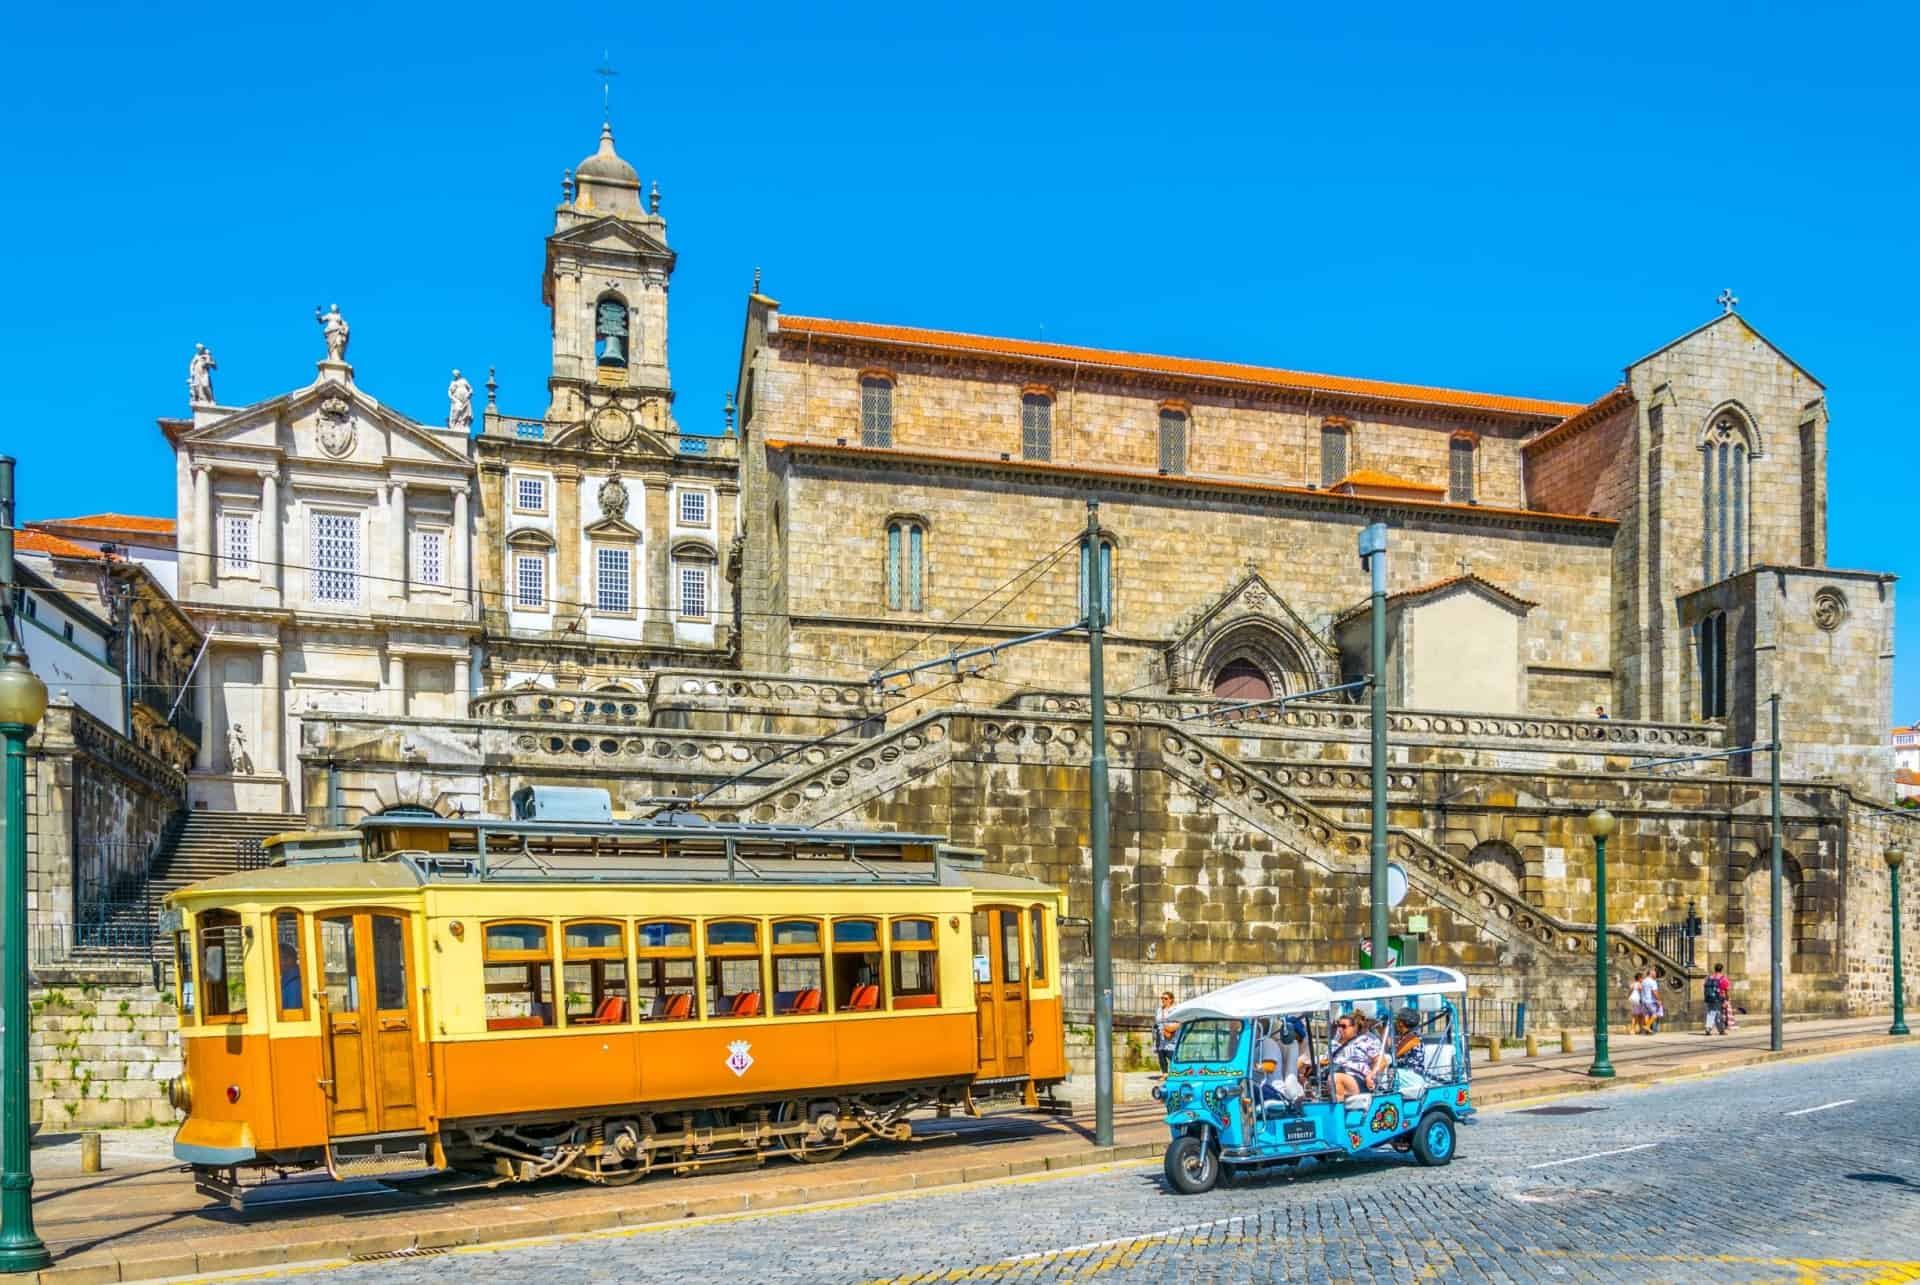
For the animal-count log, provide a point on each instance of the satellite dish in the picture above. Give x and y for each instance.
(1396, 884)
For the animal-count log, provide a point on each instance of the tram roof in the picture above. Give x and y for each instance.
(1307, 992)
(677, 825)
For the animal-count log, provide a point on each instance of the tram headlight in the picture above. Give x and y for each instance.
(179, 1092)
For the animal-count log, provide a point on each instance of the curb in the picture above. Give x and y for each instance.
(269, 1250)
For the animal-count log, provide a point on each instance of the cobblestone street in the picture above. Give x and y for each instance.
(1792, 1172)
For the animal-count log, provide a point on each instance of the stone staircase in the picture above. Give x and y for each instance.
(217, 843)
(839, 788)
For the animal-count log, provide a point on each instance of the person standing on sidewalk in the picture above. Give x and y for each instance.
(1716, 996)
(1164, 1032)
(1637, 1004)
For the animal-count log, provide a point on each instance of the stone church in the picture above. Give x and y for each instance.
(430, 616)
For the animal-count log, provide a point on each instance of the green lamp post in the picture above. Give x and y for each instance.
(1600, 824)
(1899, 1026)
(23, 699)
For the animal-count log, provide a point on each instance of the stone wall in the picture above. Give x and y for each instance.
(97, 804)
(1179, 547)
(101, 1047)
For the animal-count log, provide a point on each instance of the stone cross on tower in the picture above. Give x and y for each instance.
(606, 73)
(1728, 301)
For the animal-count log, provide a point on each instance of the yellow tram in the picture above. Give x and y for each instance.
(599, 1000)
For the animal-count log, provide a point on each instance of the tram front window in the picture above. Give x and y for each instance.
(223, 965)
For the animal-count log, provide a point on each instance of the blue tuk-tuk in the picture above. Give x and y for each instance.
(1252, 1083)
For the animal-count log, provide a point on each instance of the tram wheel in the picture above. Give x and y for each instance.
(811, 1147)
(1192, 1166)
(1433, 1140)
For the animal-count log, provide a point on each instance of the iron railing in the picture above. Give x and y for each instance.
(1136, 989)
(1675, 942)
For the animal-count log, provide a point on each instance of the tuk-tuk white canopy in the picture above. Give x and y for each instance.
(1308, 992)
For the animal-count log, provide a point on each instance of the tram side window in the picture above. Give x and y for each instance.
(856, 965)
(916, 964)
(595, 974)
(183, 973)
(1037, 916)
(288, 965)
(664, 986)
(223, 967)
(518, 963)
(799, 968)
(734, 982)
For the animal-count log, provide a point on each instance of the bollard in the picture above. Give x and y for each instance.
(1493, 1048)
(1566, 1041)
(90, 1152)
(1533, 1044)
(1119, 1086)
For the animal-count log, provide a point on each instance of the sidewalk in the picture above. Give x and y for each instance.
(142, 1220)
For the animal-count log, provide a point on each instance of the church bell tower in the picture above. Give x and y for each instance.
(606, 279)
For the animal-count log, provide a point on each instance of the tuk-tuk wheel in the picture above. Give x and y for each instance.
(1433, 1140)
(1192, 1166)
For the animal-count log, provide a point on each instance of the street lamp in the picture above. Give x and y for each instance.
(1899, 1027)
(1600, 824)
(23, 699)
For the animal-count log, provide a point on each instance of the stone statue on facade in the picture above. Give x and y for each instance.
(335, 328)
(460, 404)
(239, 762)
(200, 377)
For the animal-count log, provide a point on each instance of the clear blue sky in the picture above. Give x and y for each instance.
(1504, 198)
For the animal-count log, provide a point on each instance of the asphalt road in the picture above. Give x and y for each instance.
(1806, 1171)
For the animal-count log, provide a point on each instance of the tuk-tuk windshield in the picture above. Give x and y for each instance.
(1209, 1039)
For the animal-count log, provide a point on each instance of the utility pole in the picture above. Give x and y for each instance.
(1373, 556)
(1775, 997)
(1097, 823)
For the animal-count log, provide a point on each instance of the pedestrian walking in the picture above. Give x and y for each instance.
(1655, 1009)
(1716, 988)
(1637, 1004)
(1164, 1032)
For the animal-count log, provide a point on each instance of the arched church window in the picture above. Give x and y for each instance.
(1333, 453)
(1460, 455)
(876, 411)
(1106, 578)
(906, 565)
(1711, 642)
(1726, 452)
(1036, 427)
(610, 331)
(1242, 680)
(1173, 440)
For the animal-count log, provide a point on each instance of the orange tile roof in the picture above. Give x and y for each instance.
(1906, 776)
(1385, 481)
(1227, 371)
(1434, 586)
(835, 447)
(30, 541)
(1587, 416)
(114, 522)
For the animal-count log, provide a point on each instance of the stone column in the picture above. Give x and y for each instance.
(397, 535)
(463, 685)
(203, 710)
(270, 574)
(397, 683)
(462, 548)
(203, 537)
(657, 523)
(273, 733)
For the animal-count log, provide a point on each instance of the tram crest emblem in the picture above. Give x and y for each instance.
(738, 1057)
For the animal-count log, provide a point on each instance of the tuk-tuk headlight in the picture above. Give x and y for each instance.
(1159, 1094)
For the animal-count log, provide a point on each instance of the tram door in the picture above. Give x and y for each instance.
(1000, 991)
(367, 1014)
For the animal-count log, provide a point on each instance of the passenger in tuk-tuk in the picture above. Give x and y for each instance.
(1357, 1055)
(1409, 1054)
(1279, 1063)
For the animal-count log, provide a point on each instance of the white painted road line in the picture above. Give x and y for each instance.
(1843, 1102)
(1617, 1151)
